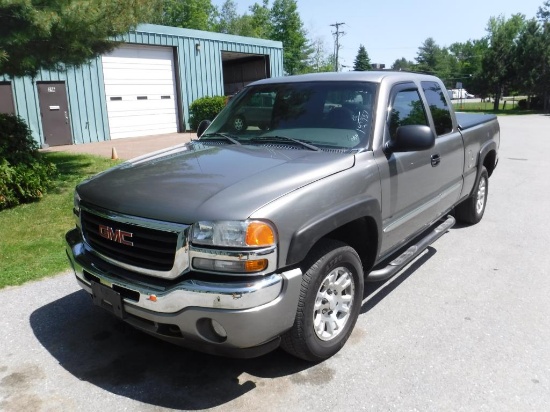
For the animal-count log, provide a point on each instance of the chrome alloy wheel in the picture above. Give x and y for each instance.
(333, 304)
(238, 124)
(481, 193)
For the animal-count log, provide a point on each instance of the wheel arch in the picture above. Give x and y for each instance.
(357, 225)
(487, 158)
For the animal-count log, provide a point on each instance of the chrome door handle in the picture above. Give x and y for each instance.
(436, 159)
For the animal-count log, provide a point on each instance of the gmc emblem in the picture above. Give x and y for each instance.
(119, 236)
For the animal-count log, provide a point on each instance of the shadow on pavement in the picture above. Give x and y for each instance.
(95, 347)
(375, 292)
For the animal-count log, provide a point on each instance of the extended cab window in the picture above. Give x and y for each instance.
(407, 108)
(438, 107)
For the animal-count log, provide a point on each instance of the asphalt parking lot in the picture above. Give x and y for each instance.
(466, 327)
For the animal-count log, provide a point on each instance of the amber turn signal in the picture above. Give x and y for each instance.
(259, 234)
(255, 265)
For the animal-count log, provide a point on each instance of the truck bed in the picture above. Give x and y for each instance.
(468, 120)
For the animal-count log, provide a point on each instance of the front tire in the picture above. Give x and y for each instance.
(472, 209)
(330, 300)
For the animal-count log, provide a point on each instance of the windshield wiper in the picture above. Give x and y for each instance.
(286, 139)
(224, 135)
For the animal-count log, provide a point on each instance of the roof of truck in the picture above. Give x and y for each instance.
(369, 76)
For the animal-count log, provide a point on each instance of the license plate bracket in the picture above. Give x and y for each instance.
(108, 299)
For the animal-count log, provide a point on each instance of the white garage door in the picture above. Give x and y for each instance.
(140, 91)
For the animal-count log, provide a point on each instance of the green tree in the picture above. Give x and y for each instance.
(57, 34)
(362, 61)
(403, 64)
(428, 56)
(229, 19)
(544, 11)
(498, 60)
(189, 14)
(319, 60)
(446, 66)
(543, 15)
(255, 24)
(468, 69)
(439, 61)
(260, 19)
(529, 60)
(287, 27)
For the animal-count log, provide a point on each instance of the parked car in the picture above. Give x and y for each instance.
(256, 112)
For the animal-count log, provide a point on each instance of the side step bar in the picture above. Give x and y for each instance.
(402, 260)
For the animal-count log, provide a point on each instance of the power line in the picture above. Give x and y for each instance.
(337, 33)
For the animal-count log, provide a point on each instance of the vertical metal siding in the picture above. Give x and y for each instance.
(199, 74)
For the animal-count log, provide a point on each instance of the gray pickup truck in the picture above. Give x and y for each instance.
(251, 238)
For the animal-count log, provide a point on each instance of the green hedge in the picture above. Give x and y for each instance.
(24, 174)
(205, 108)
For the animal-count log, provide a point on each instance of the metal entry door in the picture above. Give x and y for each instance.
(54, 110)
(6, 98)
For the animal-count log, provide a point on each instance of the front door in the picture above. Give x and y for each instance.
(54, 110)
(410, 187)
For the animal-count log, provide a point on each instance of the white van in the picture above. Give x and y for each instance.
(459, 94)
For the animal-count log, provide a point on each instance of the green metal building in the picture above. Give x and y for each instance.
(144, 87)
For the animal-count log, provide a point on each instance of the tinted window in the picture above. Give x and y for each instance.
(339, 113)
(438, 107)
(407, 109)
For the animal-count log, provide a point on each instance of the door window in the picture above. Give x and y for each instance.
(438, 107)
(407, 109)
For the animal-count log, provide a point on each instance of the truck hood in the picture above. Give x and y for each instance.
(197, 181)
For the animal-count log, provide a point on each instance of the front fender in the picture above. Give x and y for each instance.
(312, 231)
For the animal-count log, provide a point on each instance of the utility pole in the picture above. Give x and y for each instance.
(337, 35)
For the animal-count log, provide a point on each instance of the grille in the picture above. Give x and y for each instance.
(152, 249)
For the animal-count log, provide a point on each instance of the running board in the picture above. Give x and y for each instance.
(402, 260)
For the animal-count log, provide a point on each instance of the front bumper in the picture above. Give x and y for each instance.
(252, 314)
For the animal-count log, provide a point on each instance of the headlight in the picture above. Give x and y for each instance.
(76, 204)
(248, 233)
(76, 209)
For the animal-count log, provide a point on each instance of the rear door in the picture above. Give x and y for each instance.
(448, 153)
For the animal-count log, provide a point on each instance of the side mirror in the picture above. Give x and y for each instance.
(202, 127)
(411, 138)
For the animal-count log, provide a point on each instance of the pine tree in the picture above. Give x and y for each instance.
(57, 34)
(362, 61)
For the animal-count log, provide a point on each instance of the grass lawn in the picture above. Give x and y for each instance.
(510, 108)
(32, 236)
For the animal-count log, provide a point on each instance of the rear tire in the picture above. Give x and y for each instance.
(330, 300)
(472, 209)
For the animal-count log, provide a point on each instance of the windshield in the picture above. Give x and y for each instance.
(324, 115)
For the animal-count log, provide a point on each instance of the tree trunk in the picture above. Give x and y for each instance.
(497, 99)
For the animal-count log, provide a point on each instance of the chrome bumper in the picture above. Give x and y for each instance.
(252, 313)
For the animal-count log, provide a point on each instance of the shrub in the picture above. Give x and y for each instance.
(24, 174)
(205, 108)
(536, 103)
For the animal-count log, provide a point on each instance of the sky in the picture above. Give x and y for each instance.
(390, 30)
